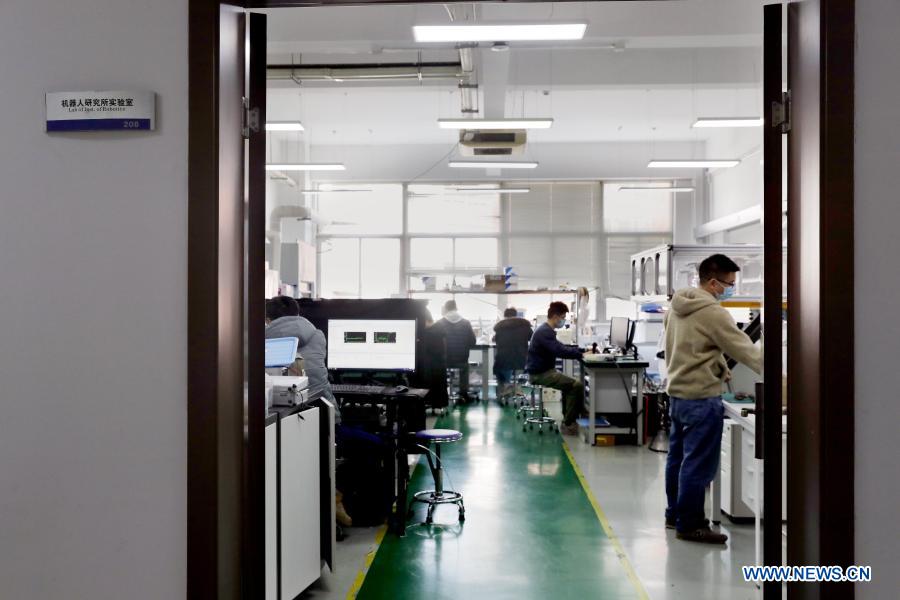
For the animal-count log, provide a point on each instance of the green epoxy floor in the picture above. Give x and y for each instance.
(530, 530)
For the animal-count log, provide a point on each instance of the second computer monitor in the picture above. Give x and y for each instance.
(618, 332)
(372, 344)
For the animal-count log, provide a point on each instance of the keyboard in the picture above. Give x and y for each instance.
(351, 388)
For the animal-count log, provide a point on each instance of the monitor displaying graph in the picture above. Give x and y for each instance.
(372, 344)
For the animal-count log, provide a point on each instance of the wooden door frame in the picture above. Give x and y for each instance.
(821, 407)
(207, 531)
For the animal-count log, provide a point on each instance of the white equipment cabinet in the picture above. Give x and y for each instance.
(300, 496)
(659, 272)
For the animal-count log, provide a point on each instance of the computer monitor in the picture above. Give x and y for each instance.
(372, 344)
(618, 332)
(281, 352)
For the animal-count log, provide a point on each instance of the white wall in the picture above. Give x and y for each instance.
(733, 190)
(93, 281)
(877, 266)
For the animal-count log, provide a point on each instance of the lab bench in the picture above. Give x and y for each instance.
(613, 390)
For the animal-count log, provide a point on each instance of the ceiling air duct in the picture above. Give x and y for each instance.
(493, 143)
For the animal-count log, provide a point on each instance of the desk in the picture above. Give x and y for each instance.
(485, 369)
(399, 467)
(605, 383)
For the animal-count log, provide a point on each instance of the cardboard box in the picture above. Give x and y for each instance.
(494, 283)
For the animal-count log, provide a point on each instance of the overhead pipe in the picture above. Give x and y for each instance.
(365, 72)
(301, 213)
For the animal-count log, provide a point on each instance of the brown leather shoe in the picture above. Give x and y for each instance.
(703, 536)
(340, 512)
(569, 429)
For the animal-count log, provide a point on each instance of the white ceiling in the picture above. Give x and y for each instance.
(682, 60)
(408, 115)
(658, 24)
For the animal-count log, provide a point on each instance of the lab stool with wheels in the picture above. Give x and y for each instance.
(438, 495)
(539, 417)
(526, 405)
(454, 385)
(514, 394)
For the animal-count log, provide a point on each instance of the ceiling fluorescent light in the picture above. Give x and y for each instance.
(279, 176)
(693, 163)
(706, 122)
(334, 191)
(479, 164)
(635, 188)
(523, 32)
(495, 123)
(510, 190)
(305, 167)
(284, 126)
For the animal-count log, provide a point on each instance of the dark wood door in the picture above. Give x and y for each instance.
(254, 299)
(820, 291)
(216, 364)
(768, 418)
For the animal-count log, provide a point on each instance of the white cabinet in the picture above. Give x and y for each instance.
(300, 502)
(272, 511)
(748, 473)
(732, 477)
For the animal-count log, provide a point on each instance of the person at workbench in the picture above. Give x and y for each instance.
(543, 350)
(698, 330)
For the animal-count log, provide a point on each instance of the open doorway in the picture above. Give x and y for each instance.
(372, 199)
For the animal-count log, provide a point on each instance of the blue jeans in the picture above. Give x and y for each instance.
(354, 440)
(694, 446)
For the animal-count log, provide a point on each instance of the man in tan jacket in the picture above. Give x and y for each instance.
(698, 332)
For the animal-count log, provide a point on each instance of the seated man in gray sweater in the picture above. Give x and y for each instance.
(284, 320)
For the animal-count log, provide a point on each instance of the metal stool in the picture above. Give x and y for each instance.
(525, 405)
(541, 418)
(453, 385)
(438, 495)
(660, 441)
(517, 398)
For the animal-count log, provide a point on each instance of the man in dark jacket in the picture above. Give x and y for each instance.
(432, 372)
(543, 351)
(460, 339)
(511, 336)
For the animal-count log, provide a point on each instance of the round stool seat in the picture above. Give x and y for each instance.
(438, 436)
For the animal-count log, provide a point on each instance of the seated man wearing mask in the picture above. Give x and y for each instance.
(543, 350)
